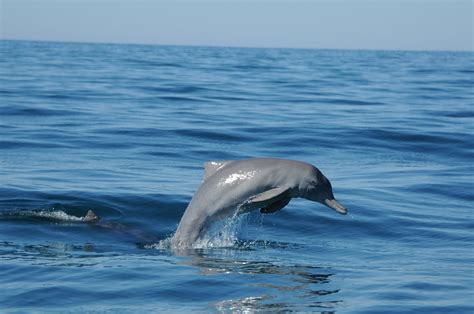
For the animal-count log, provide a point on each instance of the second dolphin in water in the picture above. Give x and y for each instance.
(240, 186)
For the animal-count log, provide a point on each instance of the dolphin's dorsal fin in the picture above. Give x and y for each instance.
(213, 166)
(91, 216)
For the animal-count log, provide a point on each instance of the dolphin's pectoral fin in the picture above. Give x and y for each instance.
(212, 167)
(269, 197)
(273, 207)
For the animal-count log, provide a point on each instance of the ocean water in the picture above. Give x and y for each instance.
(124, 130)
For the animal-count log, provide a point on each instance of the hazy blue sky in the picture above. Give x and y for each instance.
(382, 24)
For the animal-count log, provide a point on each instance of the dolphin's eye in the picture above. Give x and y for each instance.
(314, 182)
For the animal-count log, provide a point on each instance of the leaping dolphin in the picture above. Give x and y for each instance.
(240, 186)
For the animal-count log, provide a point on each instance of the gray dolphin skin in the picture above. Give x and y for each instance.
(240, 186)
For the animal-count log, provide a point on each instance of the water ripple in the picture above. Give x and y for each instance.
(123, 130)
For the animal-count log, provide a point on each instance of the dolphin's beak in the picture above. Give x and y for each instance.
(336, 206)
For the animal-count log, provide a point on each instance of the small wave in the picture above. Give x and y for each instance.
(36, 112)
(57, 215)
(212, 135)
(152, 64)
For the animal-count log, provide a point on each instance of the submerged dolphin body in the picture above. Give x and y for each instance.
(240, 186)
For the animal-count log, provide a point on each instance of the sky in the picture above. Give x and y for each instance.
(323, 24)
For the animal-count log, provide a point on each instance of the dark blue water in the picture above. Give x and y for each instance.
(124, 130)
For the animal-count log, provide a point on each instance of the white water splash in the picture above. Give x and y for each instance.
(222, 234)
(58, 215)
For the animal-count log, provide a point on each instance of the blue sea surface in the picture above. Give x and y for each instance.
(124, 130)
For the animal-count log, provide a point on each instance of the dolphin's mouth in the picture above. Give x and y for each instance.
(336, 206)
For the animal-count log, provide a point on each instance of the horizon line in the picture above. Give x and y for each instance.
(230, 46)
